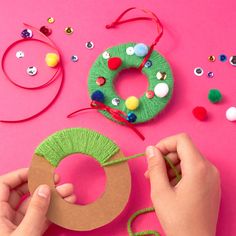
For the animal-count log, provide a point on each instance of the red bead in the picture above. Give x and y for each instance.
(200, 113)
(150, 94)
(100, 81)
(114, 63)
(45, 30)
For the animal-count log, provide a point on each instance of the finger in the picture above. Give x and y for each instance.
(171, 172)
(71, 198)
(174, 182)
(65, 190)
(157, 172)
(173, 157)
(35, 218)
(56, 178)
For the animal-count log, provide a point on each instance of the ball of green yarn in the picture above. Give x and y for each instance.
(214, 95)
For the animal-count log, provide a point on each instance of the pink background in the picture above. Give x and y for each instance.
(193, 31)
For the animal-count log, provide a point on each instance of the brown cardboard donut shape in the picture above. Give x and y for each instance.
(90, 216)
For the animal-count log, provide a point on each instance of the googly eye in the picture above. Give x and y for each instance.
(89, 45)
(74, 58)
(198, 71)
(20, 54)
(130, 51)
(32, 70)
(106, 55)
(232, 60)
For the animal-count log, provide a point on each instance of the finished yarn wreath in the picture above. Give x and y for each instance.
(130, 55)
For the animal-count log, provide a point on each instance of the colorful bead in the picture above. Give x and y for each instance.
(106, 55)
(89, 45)
(148, 64)
(198, 71)
(161, 75)
(69, 30)
(45, 30)
(231, 114)
(74, 58)
(52, 59)
(210, 74)
(211, 58)
(130, 51)
(32, 70)
(98, 96)
(222, 57)
(200, 113)
(20, 54)
(100, 81)
(232, 60)
(140, 49)
(50, 20)
(132, 103)
(131, 117)
(114, 63)
(150, 94)
(161, 90)
(115, 101)
(26, 33)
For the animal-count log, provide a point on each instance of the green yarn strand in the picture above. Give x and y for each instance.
(134, 216)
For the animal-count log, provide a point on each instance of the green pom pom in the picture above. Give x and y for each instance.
(214, 95)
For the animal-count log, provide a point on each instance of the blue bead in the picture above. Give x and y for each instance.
(140, 49)
(148, 64)
(223, 57)
(131, 117)
(98, 96)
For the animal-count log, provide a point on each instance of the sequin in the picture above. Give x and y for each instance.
(115, 101)
(161, 75)
(131, 117)
(69, 30)
(50, 20)
(222, 57)
(211, 58)
(210, 74)
(148, 64)
(32, 70)
(26, 33)
(100, 81)
(20, 54)
(198, 71)
(45, 30)
(141, 49)
(232, 60)
(74, 58)
(89, 45)
(150, 94)
(106, 55)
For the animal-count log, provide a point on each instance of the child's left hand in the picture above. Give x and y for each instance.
(28, 218)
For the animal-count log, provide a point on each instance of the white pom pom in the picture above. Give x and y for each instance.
(161, 90)
(231, 114)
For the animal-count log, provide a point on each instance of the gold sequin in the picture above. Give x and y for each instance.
(51, 20)
(211, 58)
(69, 30)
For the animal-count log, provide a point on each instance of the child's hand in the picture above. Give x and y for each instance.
(30, 217)
(191, 207)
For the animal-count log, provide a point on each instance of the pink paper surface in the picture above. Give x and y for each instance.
(193, 31)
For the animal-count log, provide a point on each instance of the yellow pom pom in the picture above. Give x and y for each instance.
(132, 103)
(52, 59)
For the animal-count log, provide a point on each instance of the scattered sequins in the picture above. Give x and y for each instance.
(211, 58)
(89, 45)
(148, 64)
(50, 20)
(69, 30)
(115, 101)
(45, 30)
(32, 70)
(106, 55)
(232, 60)
(198, 71)
(150, 94)
(20, 54)
(74, 58)
(161, 75)
(222, 57)
(26, 33)
(100, 81)
(130, 51)
(210, 74)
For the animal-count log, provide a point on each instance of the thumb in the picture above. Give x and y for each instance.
(157, 172)
(35, 217)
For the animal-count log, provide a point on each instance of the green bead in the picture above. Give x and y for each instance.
(214, 95)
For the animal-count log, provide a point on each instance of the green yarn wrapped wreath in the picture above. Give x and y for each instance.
(130, 55)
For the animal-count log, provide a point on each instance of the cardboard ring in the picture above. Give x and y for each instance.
(90, 216)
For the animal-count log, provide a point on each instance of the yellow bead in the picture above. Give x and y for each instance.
(52, 59)
(132, 103)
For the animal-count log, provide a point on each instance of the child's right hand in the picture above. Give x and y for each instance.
(190, 207)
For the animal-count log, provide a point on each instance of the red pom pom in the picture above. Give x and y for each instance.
(114, 63)
(200, 113)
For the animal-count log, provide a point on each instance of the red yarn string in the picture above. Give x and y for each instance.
(59, 71)
(152, 17)
(116, 114)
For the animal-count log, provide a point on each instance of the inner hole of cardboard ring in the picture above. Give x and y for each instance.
(86, 174)
(130, 82)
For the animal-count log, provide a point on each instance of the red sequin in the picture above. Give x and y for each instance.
(114, 63)
(45, 30)
(150, 94)
(100, 81)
